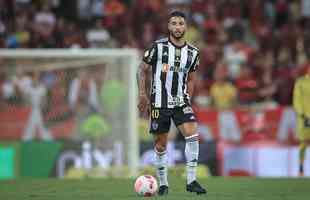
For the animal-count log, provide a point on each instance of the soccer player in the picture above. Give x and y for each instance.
(36, 95)
(301, 99)
(171, 64)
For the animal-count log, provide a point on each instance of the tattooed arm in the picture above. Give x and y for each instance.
(192, 76)
(191, 83)
(143, 80)
(144, 75)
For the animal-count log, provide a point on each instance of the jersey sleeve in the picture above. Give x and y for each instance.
(195, 64)
(150, 55)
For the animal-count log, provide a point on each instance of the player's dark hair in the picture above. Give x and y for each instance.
(176, 13)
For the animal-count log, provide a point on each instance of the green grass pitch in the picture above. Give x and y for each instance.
(219, 188)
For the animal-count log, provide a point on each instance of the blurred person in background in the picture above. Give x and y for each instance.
(267, 86)
(222, 92)
(44, 25)
(13, 86)
(224, 97)
(83, 98)
(73, 37)
(247, 86)
(98, 36)
(301, 99)
(211, 52)
(22, 79)
(7, 89)
(36, 96)
(83, 92)
(235, 57)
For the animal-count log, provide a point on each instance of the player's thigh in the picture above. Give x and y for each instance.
(185, 120)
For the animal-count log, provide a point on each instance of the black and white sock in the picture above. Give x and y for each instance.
(191, 153)
(161, 167)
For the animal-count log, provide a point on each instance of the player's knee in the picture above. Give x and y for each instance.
(160, 147)
(160, 144)
(190, 129)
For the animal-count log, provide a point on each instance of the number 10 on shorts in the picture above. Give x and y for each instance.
(155, 114)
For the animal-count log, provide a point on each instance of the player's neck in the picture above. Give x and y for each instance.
(177, 42)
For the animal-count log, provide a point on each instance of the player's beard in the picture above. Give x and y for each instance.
(177, 35)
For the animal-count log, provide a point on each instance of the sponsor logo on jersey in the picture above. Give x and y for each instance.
(176, 101)
(177, 69)
(167, 68)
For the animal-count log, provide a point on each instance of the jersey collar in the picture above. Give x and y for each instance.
(176, 46)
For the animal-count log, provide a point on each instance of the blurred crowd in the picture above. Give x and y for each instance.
(251, 50)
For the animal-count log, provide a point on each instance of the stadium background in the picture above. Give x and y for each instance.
(247, 127)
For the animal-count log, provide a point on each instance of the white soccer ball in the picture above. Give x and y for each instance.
(146, 186)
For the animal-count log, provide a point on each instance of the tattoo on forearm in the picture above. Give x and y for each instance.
(191, 83)
(142, 77)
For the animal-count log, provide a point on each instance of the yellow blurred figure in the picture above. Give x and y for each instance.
(222, 92)
(301, 99)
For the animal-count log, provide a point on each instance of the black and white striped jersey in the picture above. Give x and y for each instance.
(170, 68)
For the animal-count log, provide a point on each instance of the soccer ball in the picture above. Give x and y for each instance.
(146, 185)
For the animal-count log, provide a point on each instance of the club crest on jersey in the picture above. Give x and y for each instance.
(187, 110)
(154, 125)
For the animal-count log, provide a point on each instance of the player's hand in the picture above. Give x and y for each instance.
(144, 104)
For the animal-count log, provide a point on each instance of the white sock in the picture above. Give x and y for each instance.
(161, 167)
(191, 153)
